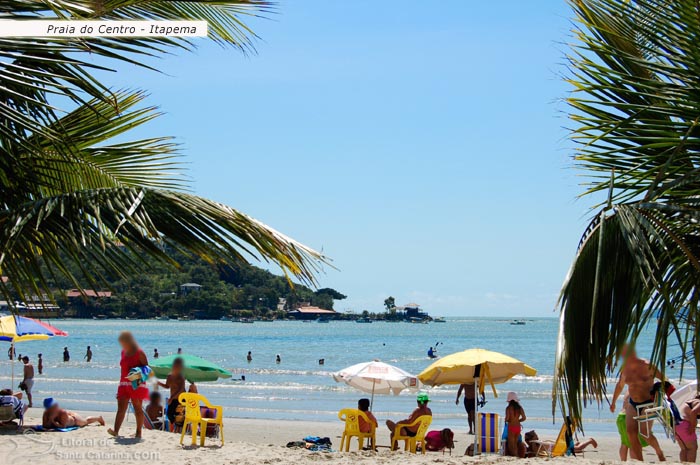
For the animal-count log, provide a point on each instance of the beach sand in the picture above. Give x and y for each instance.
(247, 442)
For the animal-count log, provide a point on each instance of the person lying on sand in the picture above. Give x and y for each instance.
(56, 417)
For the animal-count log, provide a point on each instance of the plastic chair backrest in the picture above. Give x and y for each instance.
(424, 423)
(560, 446)
(351, 417)
(191, 401)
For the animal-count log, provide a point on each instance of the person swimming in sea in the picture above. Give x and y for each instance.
(432, 353)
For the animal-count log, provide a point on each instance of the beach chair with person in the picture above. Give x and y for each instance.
(564, 445)
(353, 429)
(412, 434)
(12, 408)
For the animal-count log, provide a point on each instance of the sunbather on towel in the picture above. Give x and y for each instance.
(55, 417)
(422, 409)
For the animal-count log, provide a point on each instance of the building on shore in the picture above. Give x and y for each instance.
(308, 312)
(413, 311)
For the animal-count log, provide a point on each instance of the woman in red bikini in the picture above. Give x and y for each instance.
(132, 357)
(515, 415)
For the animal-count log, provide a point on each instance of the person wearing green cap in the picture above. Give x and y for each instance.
(422, 399)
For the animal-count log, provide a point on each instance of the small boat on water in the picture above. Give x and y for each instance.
(99, 317)
(243, 320)
(322, 320)
(440, 319)
(162, 318)
(364, 319)
(517, 322)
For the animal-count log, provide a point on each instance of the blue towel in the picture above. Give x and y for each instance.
(40, 429)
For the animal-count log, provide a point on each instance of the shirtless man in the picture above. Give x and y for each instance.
(422, 409)
(56, 417)
(469, 402)
(638, 375)
(28, 379)
(176, 383)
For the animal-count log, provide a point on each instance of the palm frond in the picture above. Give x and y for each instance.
(635, 105)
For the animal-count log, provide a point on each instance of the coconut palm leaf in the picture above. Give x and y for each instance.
(635, 107)
(33, 68)
(75, 189)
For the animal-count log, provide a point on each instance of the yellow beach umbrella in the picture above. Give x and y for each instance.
(474, 365)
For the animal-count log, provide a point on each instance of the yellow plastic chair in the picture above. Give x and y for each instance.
(559, 447)
(411, 442)
(351, 417)
(193, 417)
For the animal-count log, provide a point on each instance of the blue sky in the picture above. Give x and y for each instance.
(419, 144)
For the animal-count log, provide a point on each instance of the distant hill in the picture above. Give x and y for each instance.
(210, 292)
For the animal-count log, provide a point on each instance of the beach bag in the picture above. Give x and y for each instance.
(212, 430)
(436, 441)
(179, 415)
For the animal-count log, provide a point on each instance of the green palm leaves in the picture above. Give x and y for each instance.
(635, 72)
(76, 188)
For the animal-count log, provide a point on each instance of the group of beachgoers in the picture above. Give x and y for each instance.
(638, 375)
(28, 373)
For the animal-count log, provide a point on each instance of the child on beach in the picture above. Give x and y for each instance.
(685, 430)
(155, 410)
(515, 415)
(176, 383)
(363, 406)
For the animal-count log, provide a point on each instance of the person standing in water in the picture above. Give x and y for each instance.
(278, 359)
(179, 350)
(40, 364)
(155, 353)
(66, 355)
(249, 357)
(469, 402)
(28, 380)
(88, 354)
(132, 357)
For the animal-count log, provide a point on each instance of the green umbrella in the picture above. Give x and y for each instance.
(196, 369)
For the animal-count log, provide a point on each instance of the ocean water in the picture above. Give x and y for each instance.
(299, 388)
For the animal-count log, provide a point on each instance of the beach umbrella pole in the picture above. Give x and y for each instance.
(371, 402)
(12, 348)
(477, 428)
